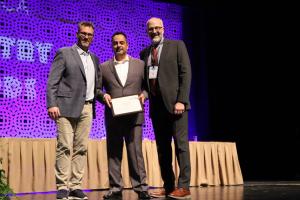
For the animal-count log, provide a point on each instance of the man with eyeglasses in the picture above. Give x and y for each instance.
(123, 76)
(168, 77)
(71, 90)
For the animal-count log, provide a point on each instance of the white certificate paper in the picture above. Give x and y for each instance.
(126, 105)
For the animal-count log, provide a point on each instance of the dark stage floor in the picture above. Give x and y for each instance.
(248, 191)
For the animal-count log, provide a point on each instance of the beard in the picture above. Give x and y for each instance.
(156, 39)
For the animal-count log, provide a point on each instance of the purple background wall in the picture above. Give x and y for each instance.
(32, 30)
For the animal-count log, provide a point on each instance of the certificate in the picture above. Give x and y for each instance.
(126, 105)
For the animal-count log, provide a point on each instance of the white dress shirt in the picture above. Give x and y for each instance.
(89, 70)
(122, 69)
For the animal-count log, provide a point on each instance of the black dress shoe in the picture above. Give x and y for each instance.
(144, 195)
(113, 195)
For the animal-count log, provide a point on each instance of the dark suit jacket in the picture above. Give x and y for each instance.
(174, 74)
(66, 87)
(109, 80)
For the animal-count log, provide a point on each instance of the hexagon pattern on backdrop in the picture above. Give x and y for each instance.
(31, 31)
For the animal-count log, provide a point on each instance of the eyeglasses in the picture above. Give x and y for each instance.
(157, 28)
(84, 34)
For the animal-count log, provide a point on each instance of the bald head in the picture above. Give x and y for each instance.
(155, 20)
(155, 29)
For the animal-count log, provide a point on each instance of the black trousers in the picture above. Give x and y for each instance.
(167, 126)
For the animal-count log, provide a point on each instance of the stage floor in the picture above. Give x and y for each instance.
(249, 191)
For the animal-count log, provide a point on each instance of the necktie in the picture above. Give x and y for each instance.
(154, 62)
(154, 56)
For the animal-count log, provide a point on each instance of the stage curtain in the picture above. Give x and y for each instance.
(29, 164)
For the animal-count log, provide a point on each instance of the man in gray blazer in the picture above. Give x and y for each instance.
(168, 78)
(71, 91)
(123, 76)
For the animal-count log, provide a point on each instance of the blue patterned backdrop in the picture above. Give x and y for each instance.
(32, 30)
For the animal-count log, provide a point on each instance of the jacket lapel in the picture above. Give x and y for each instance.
(147, 54)
(130, 71)
(114, 71)
(164, 51)
(94, 62)
(95, 67)
(146, 58)
(78, 60)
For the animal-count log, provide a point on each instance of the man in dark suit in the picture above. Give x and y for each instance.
(123, 76)
(71, 89)
(168, 77)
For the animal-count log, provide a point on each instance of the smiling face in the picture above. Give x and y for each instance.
(119, 45)
(85, 37)
(155, 29)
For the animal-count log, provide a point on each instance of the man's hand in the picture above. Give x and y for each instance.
(54, 113)
(107, 99)
(179, 108)
(142, 98)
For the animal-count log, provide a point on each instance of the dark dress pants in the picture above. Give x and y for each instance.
(166, 126)
(119, 129)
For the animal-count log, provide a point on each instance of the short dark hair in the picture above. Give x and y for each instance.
(85, 23)
(119, 33)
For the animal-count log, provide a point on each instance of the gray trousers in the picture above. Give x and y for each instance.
(118, 130)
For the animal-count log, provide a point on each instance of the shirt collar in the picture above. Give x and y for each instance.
(81, 52)
(122, 61)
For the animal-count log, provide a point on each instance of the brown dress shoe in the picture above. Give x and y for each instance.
(180, 193)
(161, 193)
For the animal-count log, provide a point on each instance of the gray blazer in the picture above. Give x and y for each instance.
(110, 82)
(66, 86)
(174, 74)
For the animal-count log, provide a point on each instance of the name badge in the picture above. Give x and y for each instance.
(153, 72)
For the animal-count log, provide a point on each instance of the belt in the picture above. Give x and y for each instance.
(88, 102)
